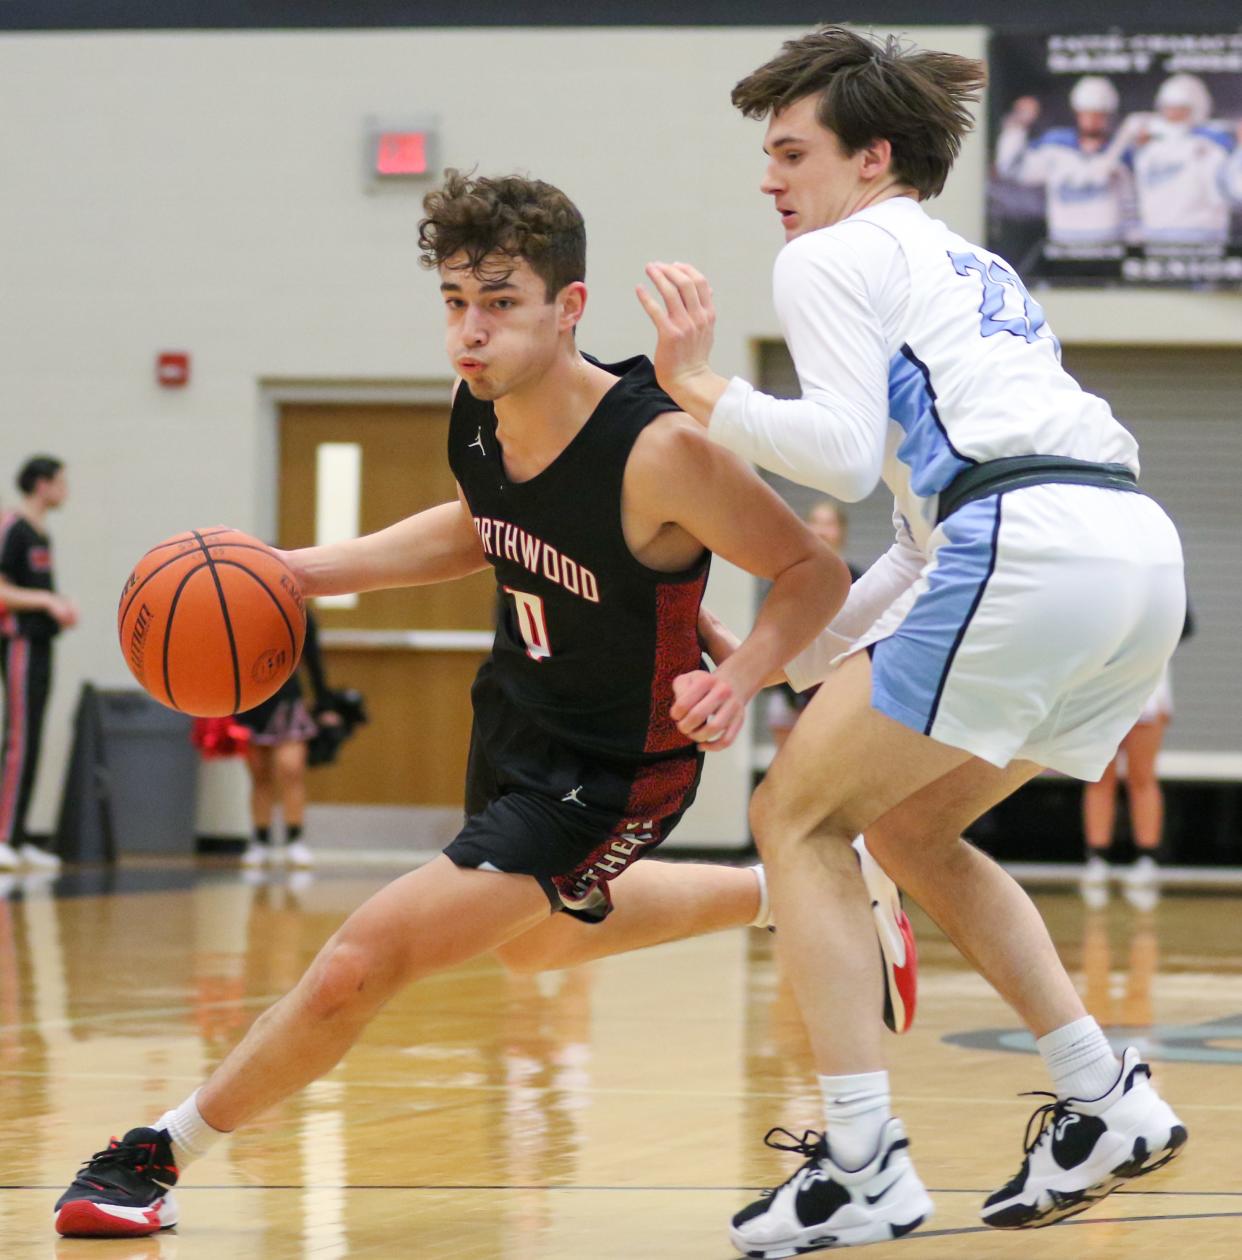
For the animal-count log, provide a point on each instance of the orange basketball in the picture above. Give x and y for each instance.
(211, 622)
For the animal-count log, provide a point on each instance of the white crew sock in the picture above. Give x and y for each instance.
(763, 917)
(1080, 1060)
(192, 1137)
(856, 1109)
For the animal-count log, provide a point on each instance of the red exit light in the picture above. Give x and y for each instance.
(401, 153)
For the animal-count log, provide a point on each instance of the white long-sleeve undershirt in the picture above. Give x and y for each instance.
(841, 296)
(882, 584)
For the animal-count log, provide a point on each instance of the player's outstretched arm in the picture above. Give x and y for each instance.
(678, 476)
(833, 437)
(32, 599)
(436, 545)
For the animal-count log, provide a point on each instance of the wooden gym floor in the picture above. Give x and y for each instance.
(612, 1111)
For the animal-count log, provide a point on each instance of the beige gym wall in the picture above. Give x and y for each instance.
(206, 192)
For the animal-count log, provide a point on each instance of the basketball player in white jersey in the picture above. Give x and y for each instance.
(1089, 189)
(1187, 168)
(1021, 620)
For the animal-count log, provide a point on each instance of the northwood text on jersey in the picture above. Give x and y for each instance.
(510, 542)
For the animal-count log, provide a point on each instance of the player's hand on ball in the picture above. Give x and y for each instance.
(707, 709)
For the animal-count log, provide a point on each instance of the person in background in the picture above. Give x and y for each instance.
(1187, 166)
(33, 615)
(280, 730)
(828, 521)
(1146, 803)
(1089, 189)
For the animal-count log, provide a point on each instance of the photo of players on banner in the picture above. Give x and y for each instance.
(1118, 158)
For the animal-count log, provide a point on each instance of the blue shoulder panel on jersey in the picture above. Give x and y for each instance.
(926, 449)
(1217, 135)
(1066, 137)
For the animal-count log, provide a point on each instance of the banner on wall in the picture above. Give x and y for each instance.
(1117, 158)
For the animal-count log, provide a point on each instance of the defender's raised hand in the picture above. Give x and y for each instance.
(684, 319)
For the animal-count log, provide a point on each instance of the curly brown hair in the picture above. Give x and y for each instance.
(869, 90)
(499, 221)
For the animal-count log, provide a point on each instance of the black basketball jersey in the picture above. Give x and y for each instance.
(588, 639)
(26, 561)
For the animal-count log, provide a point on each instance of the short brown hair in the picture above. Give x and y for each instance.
(507, 217)
(915, 99)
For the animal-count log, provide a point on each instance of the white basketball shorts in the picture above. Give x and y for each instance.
(1038, 629)
(1160, 703)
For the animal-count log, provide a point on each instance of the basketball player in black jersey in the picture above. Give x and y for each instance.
(32, 614)
(597, 505)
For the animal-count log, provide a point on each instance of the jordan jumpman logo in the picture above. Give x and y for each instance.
(478, 441)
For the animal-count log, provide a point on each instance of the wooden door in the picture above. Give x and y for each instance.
(412, 653)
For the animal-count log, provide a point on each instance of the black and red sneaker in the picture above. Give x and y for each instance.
(122, 1192)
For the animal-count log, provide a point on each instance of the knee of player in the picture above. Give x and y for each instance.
(344, 979)
(762, 815)
(771, 823)
(289, 776)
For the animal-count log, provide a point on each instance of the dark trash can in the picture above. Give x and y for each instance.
(131, 782)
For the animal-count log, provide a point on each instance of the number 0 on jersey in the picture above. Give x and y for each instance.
(532, 623)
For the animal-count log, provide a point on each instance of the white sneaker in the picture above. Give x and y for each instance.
(823, 1205)
(256, 855)
(898, 952)
(1084, 1149)
(35, 859)
(1143, 874)
(9, 861)
(1095, 870)
(297, 854)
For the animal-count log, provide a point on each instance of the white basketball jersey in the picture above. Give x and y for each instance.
(977, 375)
(1089, 194)
(1182, 190)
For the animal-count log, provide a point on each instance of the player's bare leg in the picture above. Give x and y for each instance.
(914, 796)
(1099, 810)
(431, 919)
(1142, 746)
(260, 761)
(977, 905)
(653, 903)
(290, 759)
(804, 823)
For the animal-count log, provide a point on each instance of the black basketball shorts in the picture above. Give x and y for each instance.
(537, 806)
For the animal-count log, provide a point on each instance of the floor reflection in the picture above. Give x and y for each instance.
(1120, 959)
(612, 1110)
